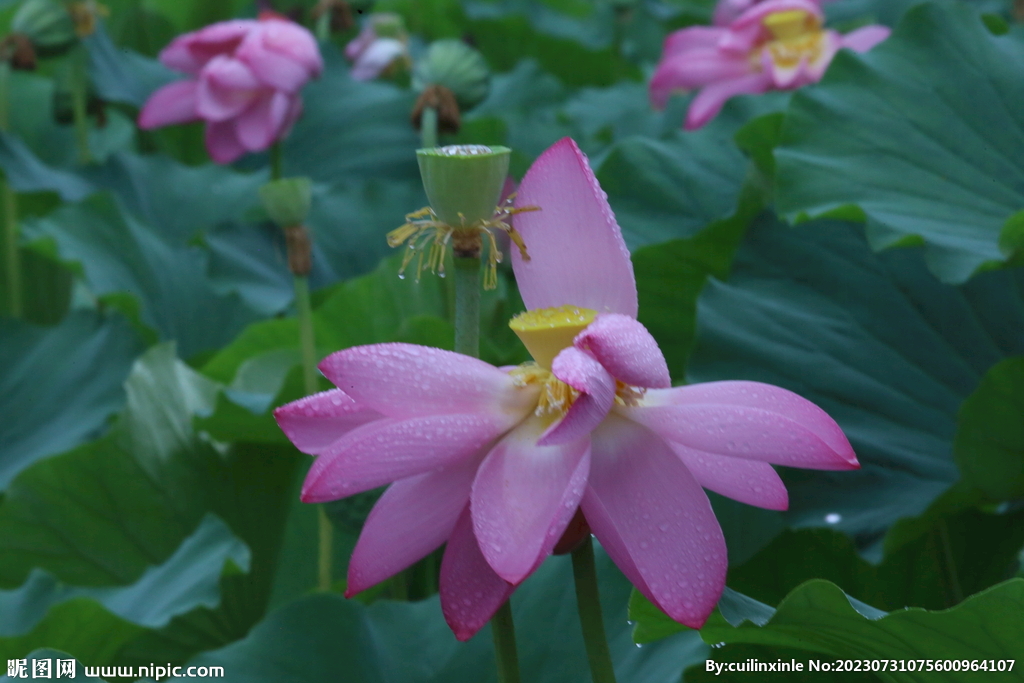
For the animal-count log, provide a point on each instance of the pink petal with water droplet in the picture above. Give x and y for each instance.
(405, 380)
(471, 592)
(387, 450)
(577, 254)
(582, 372)
(626, 350)
(788, 406)
(315, 422)
(741, 432)
(523, 498)
(647, 504)
(413, 518)
(748, 481)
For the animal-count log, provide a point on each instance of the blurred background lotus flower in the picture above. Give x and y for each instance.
(772, 45)
(382, 43)
(246, 80)
(726, 11)
(497, 462)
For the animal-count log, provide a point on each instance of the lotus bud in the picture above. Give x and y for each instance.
(389, 25)
(456, 66)
(286, 202)
(47, 24)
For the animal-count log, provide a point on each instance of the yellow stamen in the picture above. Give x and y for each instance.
(422, 229)
(797, 37)
(546, 331)
(790, 24)
(556, 397)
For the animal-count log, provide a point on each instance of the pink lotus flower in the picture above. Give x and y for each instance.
(247, 74)
(497, 461)
(773, 45)
(373, 54)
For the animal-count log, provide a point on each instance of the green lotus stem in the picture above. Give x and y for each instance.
(952, 574)
(306, 338)
(307, 341)
(467, 306)
(504, 633)
(467, 341)
(310, 383)
(322, 28)
(428, 128)
(12, 256)
(588, 600)
(79, 105)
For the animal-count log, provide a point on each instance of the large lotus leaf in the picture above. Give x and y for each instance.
(352, 130)
(919, 137)
(188, 579)
(818, 617)
(46, 612)
(120, 254)
(375, 308)
(309, 639)
(876, 341)
(989, 443)
(59, 385)
(120, 74)
(33, 122)
(26, 172)
(950, 556)
(176, 199)
(527, 109)
(100, 515)
(854, 13)
(69, 514)
(348, 223)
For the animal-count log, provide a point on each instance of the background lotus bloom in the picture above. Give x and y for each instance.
(373, 53)
(773, 45)
(726, 11)
(498, 461)
(247, 75)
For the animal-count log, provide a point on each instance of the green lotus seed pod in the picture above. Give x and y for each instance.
(456, 66)
(388, 25)
(48, 24)
(463, 182)
(287, 200)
